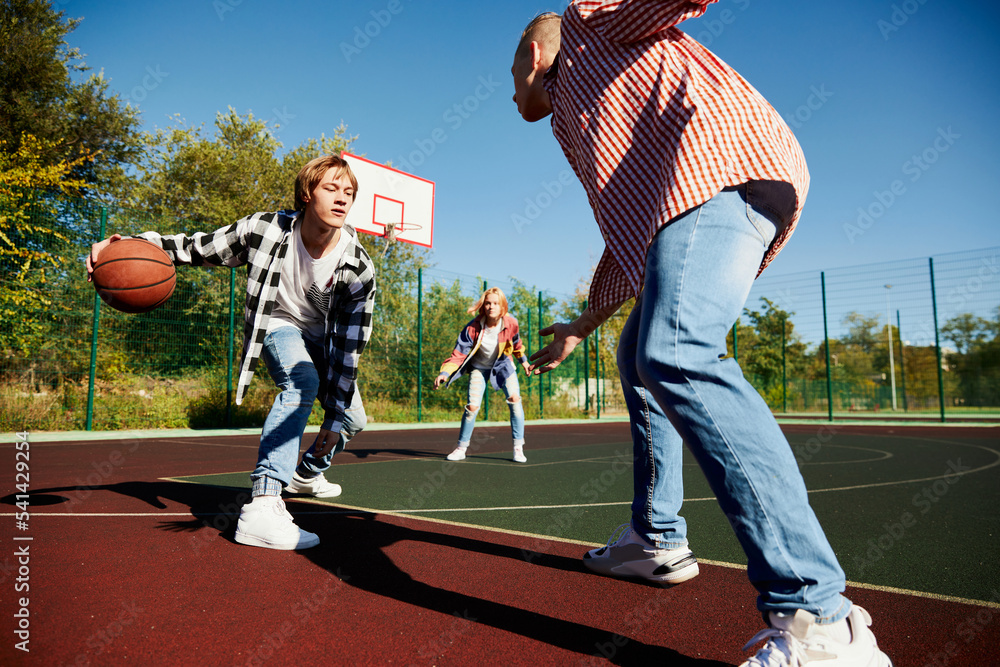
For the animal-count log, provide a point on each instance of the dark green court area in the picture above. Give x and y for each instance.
(913, 508)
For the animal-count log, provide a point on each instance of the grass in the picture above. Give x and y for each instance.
(134, 401)
(131, 401)
(200, 401)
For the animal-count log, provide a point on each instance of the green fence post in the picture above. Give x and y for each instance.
(576, 381)
(937, 342)
(541, 382)
(826, 343)
(736, 349)
(597, 369)
(95, 325)
(902, 362)
(420, 342)
(586, 371)
(527, 352)
(784, 369)
(230, 348)
(487, 395)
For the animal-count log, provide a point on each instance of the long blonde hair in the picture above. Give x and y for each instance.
(477, 307)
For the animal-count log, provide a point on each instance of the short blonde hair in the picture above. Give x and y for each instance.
(543, 29)
(312, 173)
(480, 303)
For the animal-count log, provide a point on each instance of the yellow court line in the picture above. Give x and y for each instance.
(353, 510)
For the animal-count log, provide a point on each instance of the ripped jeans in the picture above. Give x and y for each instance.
(477, 387)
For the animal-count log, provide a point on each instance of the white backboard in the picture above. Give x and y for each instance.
(391, 199)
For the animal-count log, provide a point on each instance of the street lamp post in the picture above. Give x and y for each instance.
(892, 365)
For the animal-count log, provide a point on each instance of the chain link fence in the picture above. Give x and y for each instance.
(916, 338)
(68, 362)
(912, 338)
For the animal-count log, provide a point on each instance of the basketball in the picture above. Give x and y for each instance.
(134, 276)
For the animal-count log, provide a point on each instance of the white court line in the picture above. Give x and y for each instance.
(406, 511)
(737, 566)
(160, 514)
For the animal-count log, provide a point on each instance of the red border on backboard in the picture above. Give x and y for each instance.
(402, 212)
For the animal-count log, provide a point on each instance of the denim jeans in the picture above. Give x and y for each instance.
(477, 387)
(679, 389)
(292, 361)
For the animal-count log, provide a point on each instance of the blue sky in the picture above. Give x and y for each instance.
(895, 105)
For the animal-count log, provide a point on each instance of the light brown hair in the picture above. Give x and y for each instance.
(543, 29)
(312, 173)
(477, 307)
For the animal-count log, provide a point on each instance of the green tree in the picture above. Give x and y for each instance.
(769, 349)
(966, 331)
(603, 347)
(213, 179)
(976, 362)
(35, 250)
(40, 97)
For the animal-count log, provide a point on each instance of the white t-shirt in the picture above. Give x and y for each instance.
(486, 355)
(304, 288)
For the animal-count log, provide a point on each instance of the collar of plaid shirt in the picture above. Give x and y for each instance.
(654, 125)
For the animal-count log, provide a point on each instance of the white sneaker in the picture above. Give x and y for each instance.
(265, 522)
(458, 454)
(317, 486)
(519, 455)
(795, 640)
(631, 556)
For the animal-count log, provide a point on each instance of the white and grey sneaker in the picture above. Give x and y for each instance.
(796, 639)
(317, 486)
(458, 454)
(264, 522)
(519, 456)
(629, 555)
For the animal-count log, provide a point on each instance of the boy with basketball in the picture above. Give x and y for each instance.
(696, 183)
(308, 315)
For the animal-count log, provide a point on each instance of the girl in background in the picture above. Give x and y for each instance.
(486, 347)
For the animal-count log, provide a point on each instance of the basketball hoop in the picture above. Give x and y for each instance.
(393, 205)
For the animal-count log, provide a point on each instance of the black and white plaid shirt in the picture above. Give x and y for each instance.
(261, 241)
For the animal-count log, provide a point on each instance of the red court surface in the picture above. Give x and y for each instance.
(127, 568)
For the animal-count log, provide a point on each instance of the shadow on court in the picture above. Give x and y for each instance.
(355, 549)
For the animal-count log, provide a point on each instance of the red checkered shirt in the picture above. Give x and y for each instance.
(654, 124)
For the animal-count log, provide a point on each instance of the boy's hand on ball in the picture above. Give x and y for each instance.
(95, 251)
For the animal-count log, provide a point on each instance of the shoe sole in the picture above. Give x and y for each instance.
(252, 541)
(624, 571)
(314, 495)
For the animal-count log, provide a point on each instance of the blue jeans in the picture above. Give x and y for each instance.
(679, 388)
(292, 361)
(477, 387)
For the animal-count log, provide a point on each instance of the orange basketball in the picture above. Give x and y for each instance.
(134, 276)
